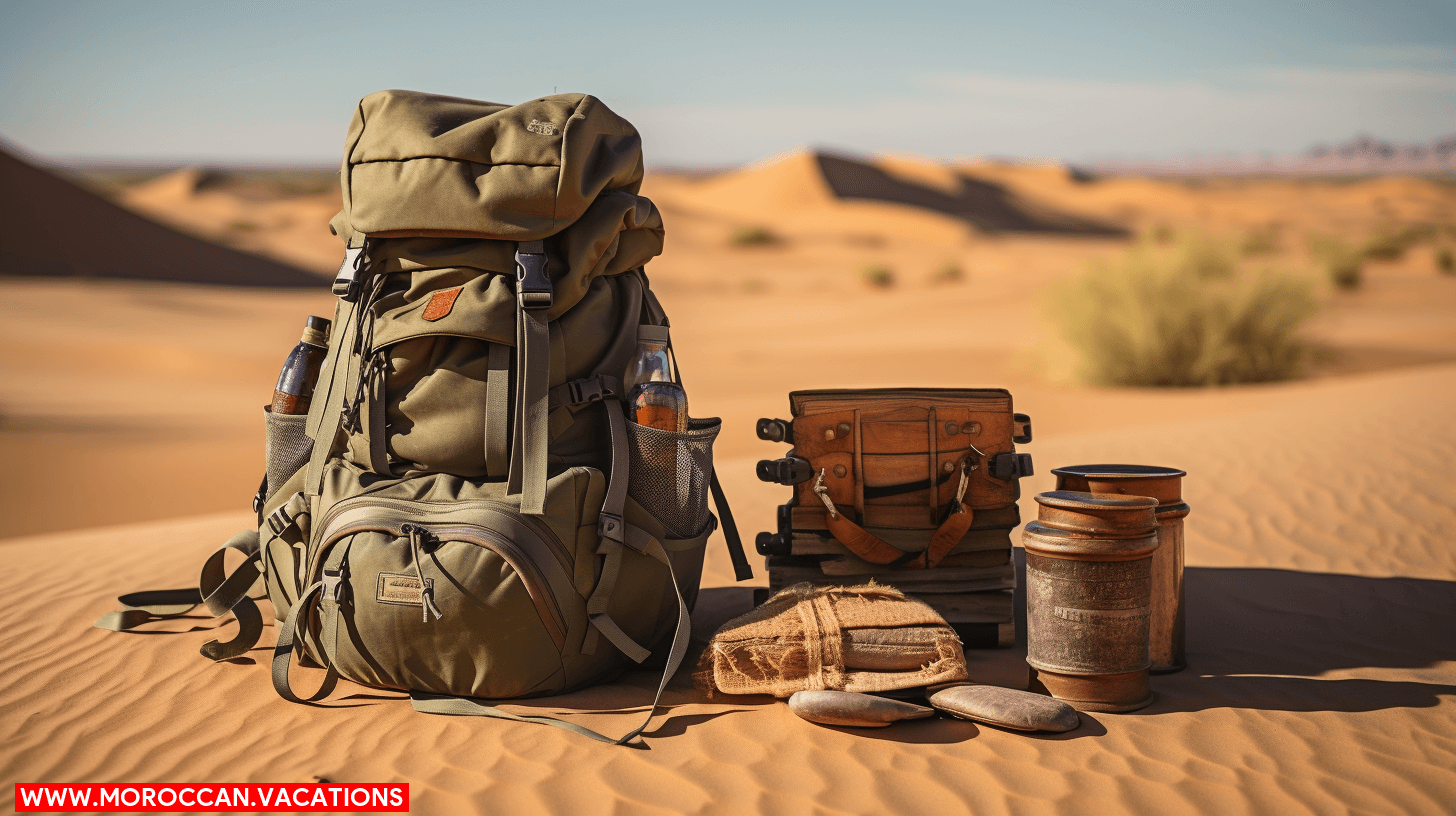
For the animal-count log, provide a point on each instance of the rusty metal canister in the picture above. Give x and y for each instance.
(1088, 581)
(1165, 624)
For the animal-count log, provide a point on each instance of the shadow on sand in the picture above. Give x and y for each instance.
(983, 204)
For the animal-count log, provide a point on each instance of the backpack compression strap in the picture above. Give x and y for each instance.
(533, 377)
(644, 543)
(219, 592)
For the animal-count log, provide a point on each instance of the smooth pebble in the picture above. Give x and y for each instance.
(853, 709)
(1009, 708)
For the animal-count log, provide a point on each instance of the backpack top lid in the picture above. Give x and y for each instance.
(424, 165)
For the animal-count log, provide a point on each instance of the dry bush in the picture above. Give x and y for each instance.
(949, 272)
(1446, 261)
(753, 236)
(1343, 265)
(1391, 243)
(1186, 317)
(1260, 241)
(877, 275)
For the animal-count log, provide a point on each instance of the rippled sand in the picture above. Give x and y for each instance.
(1322, 663)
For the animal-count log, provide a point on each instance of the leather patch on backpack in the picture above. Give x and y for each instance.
(396, 588)
(441, 303)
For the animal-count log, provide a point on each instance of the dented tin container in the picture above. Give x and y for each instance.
(1165, 623)
(1088, 584)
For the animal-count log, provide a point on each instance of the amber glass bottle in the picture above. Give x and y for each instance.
(654, 398)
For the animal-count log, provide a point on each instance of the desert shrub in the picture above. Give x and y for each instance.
(1162, 234)
(1343, 265)
(1152, 318)
(753, 236)
(949, 272)
(1390, 243)
(1201, 257)
(877, 275)
(1260, 241)
(1446, 261)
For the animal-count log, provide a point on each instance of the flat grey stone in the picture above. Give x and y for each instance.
(853, 709)
(1008, 708)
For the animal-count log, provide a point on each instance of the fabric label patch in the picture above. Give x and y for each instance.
(441, 303)
(543, 128)
(394, 588)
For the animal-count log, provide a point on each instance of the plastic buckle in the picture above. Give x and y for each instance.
(610, 526)
(533, 288)
(347, 279)
(261, 496)
(775, 430)
(591, 389)
(334, 585)
(790, 470)
(773, 544)
(1022, 424)
(1008, 466)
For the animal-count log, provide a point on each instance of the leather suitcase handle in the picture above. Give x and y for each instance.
(876, 550)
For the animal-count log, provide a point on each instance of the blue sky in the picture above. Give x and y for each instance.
(716, 84)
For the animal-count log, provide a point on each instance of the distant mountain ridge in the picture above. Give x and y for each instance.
(1362, 155)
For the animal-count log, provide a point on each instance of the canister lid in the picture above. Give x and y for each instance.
(1162, 483)
(1099, 526)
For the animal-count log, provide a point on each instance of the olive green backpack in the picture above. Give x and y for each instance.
(465, 512)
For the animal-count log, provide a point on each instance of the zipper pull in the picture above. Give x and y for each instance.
(427, 600)
(418, 536)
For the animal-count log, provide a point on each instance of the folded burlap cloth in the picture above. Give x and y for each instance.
(860, 638)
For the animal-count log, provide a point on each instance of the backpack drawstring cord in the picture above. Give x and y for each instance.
(417, 536)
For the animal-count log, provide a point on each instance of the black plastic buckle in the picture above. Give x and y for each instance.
(773, 544)
(1008, 466)
(775, 430)
(592, 389)
(262, 495)
(533, 288)
(790, 470)
(610, 526)
(1023, 422)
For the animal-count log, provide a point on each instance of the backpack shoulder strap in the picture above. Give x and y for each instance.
(533, 377)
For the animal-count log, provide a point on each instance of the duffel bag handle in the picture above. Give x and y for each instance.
(876, 550)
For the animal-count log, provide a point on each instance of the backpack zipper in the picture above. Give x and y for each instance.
(534, 582)
(423, 509)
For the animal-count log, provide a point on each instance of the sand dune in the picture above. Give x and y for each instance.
(288, 227)
(54, 228)
(1322, 664)
(1321, 581)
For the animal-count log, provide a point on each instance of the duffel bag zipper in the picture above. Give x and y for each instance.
(536, 585)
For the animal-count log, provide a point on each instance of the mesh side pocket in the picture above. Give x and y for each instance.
(288, 447)
(671, 472)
